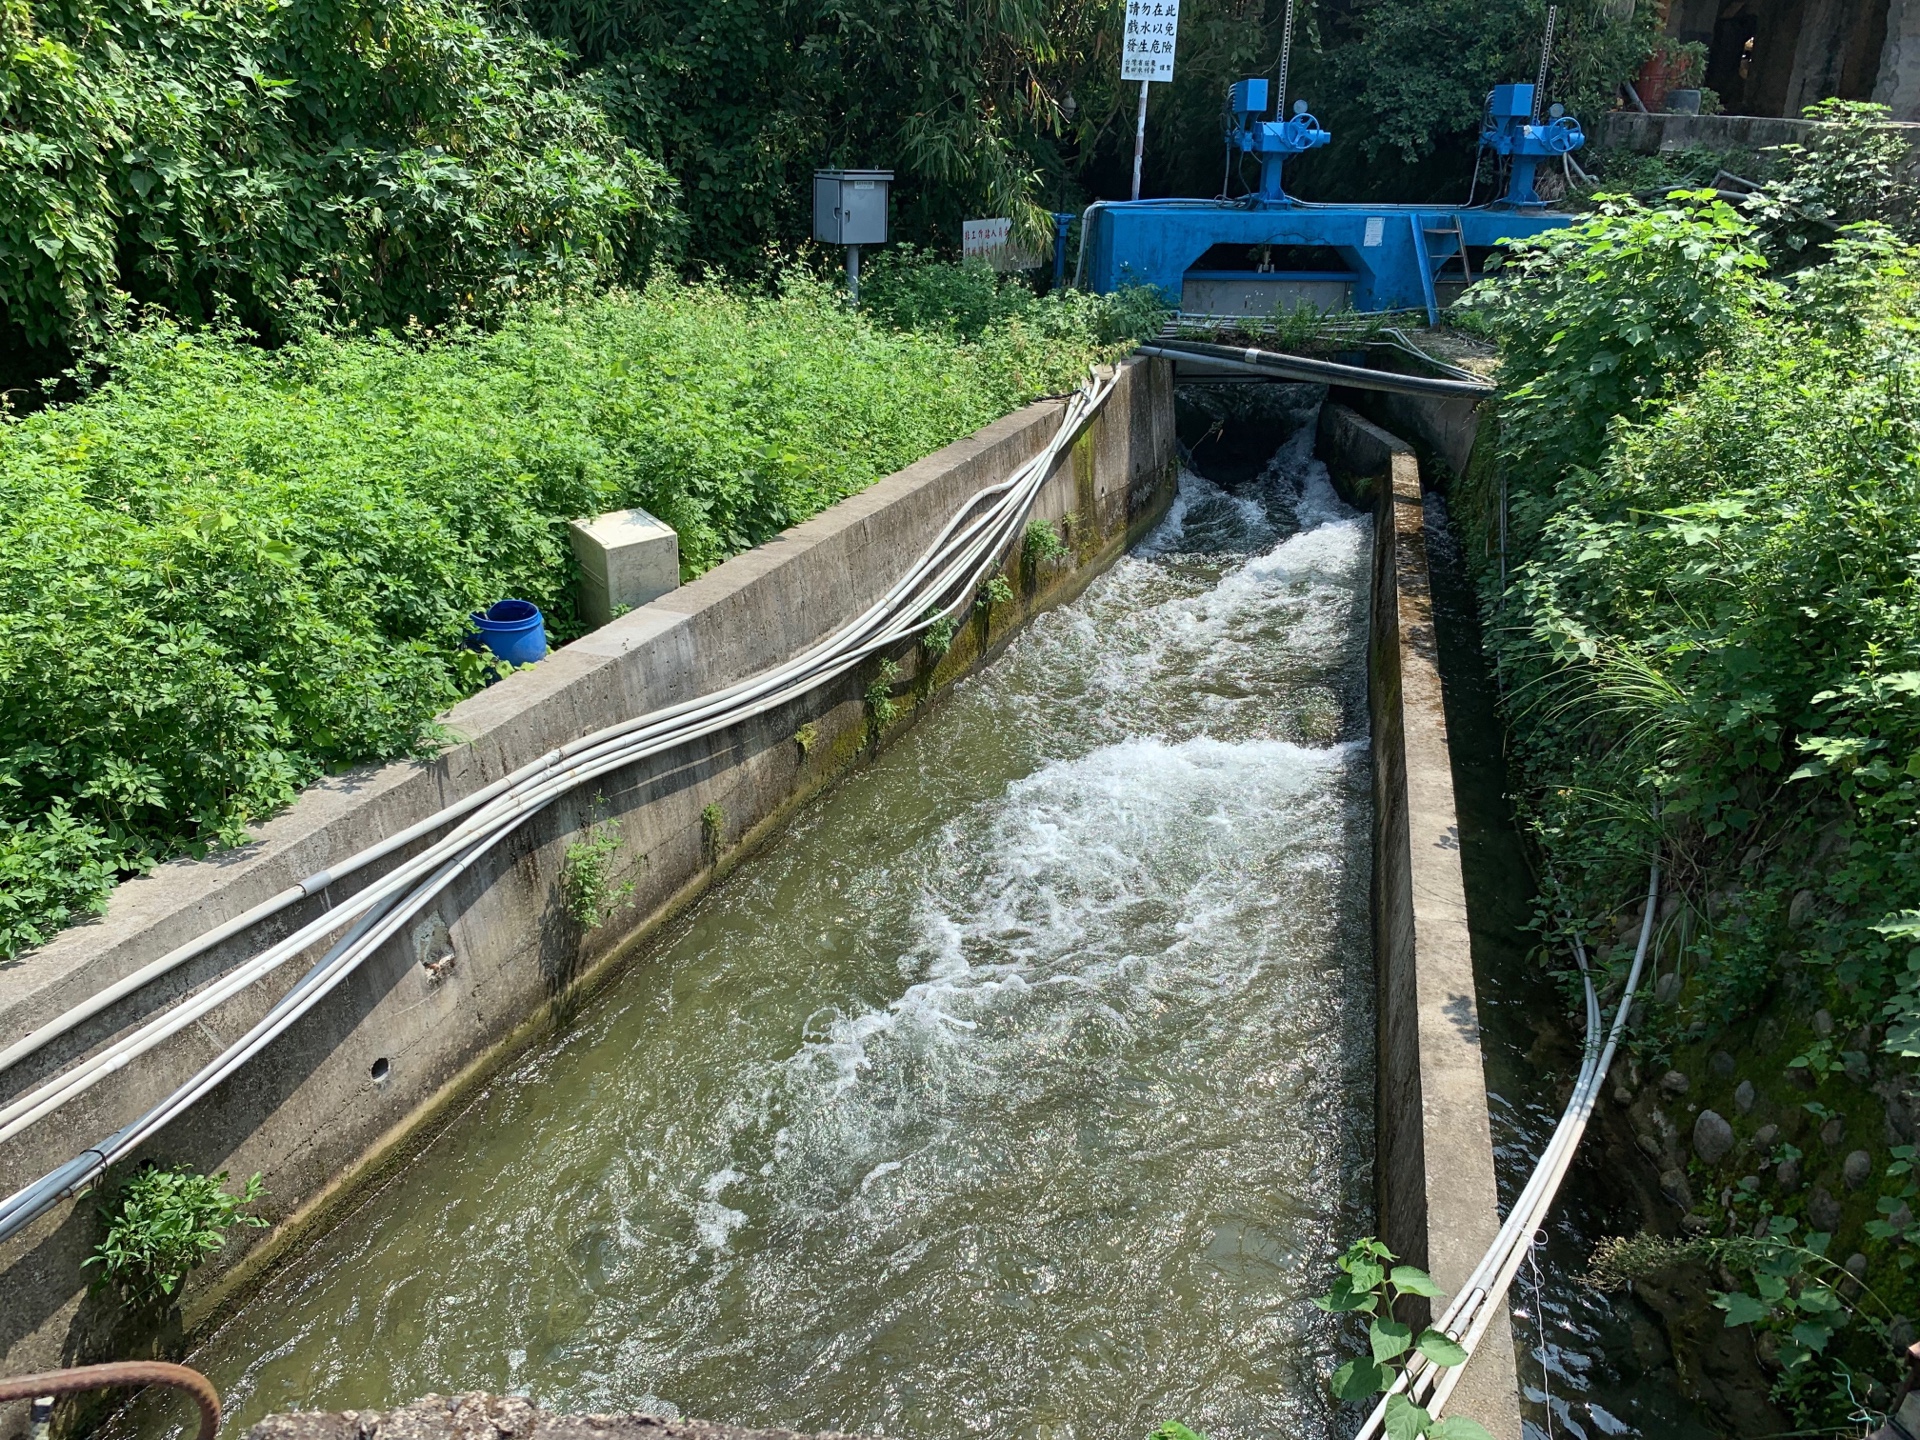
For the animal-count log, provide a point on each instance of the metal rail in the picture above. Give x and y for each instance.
(1324, 372)
(121, 1374)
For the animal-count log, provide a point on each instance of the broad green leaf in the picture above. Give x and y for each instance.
(1411, 1281)
(1812, 1334)
(1441, 1348)
(1457, 1427)
(1343, 1298)
(1366, 1275)
(1405, 1420)
(1389, 1338)
(1741, 1308)
(1358, 1379)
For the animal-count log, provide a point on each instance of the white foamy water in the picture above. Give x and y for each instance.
(1023, 1088)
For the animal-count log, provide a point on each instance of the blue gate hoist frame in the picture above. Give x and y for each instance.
(1393, 254)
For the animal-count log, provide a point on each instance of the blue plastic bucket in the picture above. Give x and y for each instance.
(513, 630)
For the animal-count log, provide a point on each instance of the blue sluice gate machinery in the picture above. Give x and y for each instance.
(1291, 252)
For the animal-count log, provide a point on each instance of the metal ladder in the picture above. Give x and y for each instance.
(1430, 271)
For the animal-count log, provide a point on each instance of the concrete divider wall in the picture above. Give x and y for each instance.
(363, 1077)
(1433, 1163)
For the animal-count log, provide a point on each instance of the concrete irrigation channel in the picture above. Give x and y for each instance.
(1027, 1081)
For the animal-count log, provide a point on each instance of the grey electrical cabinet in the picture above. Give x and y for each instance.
(850, 206)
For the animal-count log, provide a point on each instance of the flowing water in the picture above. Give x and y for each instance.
(1023, 1086)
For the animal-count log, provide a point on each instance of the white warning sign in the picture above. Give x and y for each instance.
(979, 237)
(1152, 28)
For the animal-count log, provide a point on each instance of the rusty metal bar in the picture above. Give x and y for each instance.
(122, 1373)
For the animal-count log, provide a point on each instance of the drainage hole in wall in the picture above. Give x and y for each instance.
(380, 1069)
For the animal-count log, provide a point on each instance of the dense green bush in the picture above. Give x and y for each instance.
(399, 156)
(230, 569)
(1712, 627)
(742, 100)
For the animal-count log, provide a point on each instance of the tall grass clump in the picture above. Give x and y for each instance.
(228, 570)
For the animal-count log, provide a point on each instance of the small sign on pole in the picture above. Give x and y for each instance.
(1153, 27)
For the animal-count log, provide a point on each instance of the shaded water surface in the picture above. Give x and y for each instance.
(1024, 1085)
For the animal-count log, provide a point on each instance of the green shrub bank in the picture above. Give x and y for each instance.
(1709, 642)
(229, 569)
(402, 158)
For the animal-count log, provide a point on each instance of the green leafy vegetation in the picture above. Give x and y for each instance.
(1370, 1286)
(979, 113)
(1700, 578)
(1016, 108)
(1855, 168)
(937, 638)
(163, 1224)
(882, 708)
(713, 831)
(1041, 544)
(229, 570)
(1798, 1301)
(587, 887)
(383, 160)
(997, 591)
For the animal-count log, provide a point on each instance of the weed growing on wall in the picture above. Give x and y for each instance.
(937, 638)
(1041, 544)
(997, 591)
(228, 571)
(163, 1224)
(882, 708)
(713, 831)
(587, 886)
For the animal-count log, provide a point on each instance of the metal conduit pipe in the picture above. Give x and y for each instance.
(1472, 1311)
(939, 585)
(1325, 372)
(120, 1374)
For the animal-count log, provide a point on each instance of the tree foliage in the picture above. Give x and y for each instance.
(384, 159)
(1015, 107)
(967, 102)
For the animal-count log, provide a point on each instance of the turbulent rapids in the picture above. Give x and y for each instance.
(1024, 1085)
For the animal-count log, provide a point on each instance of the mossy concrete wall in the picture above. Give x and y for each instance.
(361, 1080)
(1433, 1165)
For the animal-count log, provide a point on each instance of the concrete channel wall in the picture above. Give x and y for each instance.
(1433, 1165)
(360, 1082)
(367, 1078)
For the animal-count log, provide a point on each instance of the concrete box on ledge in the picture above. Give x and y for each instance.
(626, 559)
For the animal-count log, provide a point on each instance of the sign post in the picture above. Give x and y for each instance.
(1152, 28)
